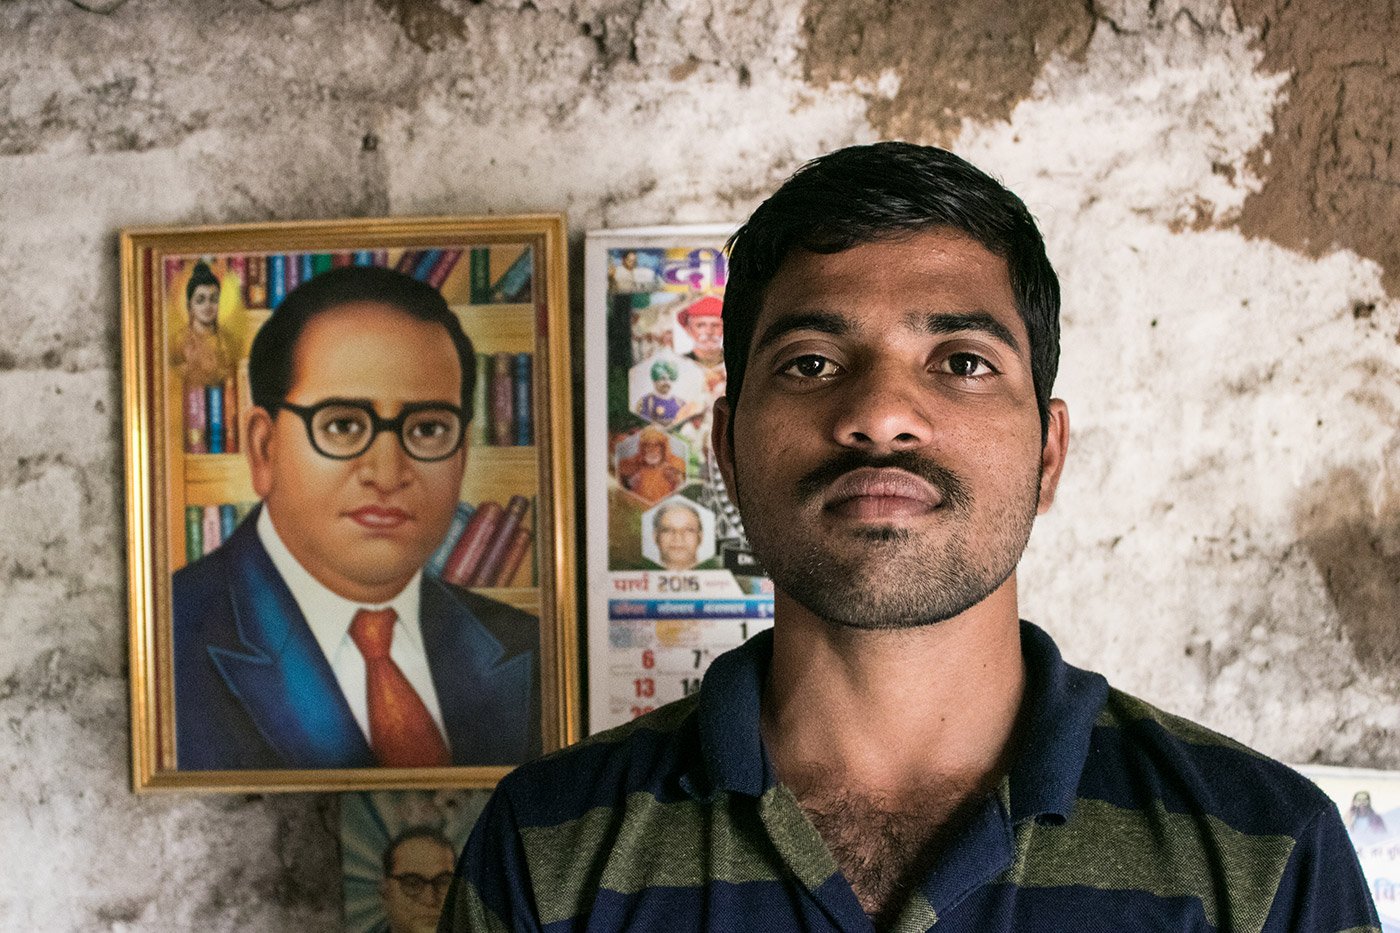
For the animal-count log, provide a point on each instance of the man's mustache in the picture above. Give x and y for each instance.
(952, 486)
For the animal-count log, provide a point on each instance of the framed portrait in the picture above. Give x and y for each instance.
(397, 853)
(1369, 801)
(672, 583)
(349, 502)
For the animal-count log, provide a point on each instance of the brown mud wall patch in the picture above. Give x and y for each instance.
(428, 24)
(1331, 167)
(959, 59)
(1356, 550)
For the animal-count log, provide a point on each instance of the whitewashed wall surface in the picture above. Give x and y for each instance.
(1219, 183)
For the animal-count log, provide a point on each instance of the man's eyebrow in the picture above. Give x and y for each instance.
(338, 400)
(957, 322)
(823, 322)
(370, 403)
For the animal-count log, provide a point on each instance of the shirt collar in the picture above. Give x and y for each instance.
(730, 742)
(1060, 707)
(328, 613)
(1061, 704)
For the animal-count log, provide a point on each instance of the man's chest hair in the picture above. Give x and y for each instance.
(885, 846)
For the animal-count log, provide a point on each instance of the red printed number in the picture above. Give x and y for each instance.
(646, 687)
(648, 659)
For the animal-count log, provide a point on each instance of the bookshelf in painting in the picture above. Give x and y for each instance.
(489, 288)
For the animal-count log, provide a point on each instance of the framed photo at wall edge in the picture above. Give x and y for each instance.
(1369, 802)
(349, 502)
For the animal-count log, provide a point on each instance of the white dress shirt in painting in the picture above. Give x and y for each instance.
(330, 615)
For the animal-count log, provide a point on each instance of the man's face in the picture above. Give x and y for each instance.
(886, 455)
(708, 334)
(629, 260)
(204, 305)
(653, 452)
(429, 861)
(678, 538)
(661, 386)
(362, 526)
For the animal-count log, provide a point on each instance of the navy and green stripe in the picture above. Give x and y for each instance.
(1115, 817)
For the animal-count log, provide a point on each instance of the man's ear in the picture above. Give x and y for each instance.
(1052, 454)
(721, 436)
(259, 449)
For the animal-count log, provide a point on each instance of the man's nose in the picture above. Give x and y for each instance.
(385, 465)
(884, 409)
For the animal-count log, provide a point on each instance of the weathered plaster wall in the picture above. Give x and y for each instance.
(1219, 182)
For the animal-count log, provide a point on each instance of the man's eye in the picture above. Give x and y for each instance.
(968, 365)
(811, 366)
(344, 427)
(429, 429)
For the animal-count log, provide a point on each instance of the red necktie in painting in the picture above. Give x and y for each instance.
(401, 730)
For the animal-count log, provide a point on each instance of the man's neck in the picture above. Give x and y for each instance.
(889, 709)
(909, 729)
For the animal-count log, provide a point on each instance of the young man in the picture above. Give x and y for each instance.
(901, 752)
(311, 638)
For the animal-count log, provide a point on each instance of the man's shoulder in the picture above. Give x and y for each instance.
(483, 607)
(195, 578)
(1180, 766)
(517, 630)
(220, 569)
(650, 755)
(1182, 827)
(200, 587)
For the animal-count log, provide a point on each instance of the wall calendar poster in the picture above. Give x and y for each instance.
(671, 580)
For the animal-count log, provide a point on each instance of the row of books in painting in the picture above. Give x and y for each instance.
(211, 419)
(486, 545)
(504, 413)
(208, 526)
(268, 278)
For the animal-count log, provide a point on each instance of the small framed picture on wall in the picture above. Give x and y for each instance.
(349, 502)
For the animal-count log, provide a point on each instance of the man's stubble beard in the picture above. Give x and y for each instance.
(889, 578)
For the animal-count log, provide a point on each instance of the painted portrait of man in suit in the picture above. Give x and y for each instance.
(312, 638)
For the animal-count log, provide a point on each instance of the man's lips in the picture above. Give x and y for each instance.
(378, 517)
(873, 493)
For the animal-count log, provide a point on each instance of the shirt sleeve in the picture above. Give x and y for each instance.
(491, 892)
(1322, 889)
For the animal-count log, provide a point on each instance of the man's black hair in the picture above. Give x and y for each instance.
(270, 360)
(201, 274)
(430, 833)
(887, 191)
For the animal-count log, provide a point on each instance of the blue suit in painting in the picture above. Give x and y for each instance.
(254, 690)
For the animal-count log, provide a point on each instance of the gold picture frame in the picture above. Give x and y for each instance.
(238, 694)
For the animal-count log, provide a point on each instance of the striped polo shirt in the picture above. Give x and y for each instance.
(1115, 816)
